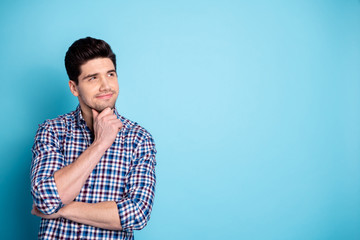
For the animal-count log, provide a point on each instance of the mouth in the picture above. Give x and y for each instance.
(105, 96)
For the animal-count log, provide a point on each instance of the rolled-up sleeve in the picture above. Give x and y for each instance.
(135, 207)
(46, 160)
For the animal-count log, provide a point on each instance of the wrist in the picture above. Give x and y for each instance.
(65, 210)
(61, 212)
(99, 146)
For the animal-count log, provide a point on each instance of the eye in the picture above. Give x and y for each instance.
(111, 74)
(92, 78)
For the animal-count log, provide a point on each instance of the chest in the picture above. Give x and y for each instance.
(108, 180)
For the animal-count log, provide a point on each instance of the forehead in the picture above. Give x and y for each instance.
(97, 65)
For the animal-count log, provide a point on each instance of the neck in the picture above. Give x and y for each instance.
(88, 117)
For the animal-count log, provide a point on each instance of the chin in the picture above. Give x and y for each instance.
(101, 108)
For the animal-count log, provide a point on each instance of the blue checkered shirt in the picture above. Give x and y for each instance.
(125, 174)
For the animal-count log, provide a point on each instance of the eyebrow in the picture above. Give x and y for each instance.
(94, 74)
(89, 76)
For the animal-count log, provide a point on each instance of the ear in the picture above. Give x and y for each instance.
(73, 88)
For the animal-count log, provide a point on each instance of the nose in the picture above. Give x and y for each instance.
(104, 84)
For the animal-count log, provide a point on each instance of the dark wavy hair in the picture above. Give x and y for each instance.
(83, 50)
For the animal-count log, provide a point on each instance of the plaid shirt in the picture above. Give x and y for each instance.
(125, 174)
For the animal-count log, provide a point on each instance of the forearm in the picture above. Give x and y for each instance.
(102, 215)
(70, 179)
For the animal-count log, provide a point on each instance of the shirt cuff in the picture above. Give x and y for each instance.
(131, 217)
(48, 200)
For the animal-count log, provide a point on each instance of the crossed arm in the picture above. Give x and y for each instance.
(102, 214)
(70, 179)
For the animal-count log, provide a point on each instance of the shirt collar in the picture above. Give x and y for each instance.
(81, 121)
(78, 116)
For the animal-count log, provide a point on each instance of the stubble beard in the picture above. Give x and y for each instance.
(100, 107)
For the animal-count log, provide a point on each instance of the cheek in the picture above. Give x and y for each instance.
(86, 93)
(115, 86)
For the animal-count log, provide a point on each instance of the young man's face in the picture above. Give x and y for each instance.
(97, 86)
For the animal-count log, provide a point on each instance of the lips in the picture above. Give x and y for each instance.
(105, 96)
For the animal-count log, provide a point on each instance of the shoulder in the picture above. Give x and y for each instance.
(134, 131)
(139, 140)
(57, 126)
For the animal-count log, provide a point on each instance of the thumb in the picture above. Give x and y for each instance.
(94, 113)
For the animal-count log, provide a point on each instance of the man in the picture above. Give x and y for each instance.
(93, 171)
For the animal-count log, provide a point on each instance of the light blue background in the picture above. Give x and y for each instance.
(254, 106)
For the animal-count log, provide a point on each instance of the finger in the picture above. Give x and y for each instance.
(119, 124)
(34, 211)
(116, 123)
(105, 112)
(34, 206)
(109, 117)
